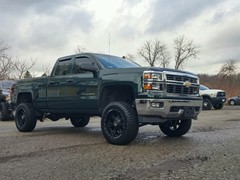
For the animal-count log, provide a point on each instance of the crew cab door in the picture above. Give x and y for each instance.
(83, 85)
(75, 90)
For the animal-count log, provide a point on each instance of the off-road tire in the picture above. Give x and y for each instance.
(80, 121)
(207, 105)
(25, 117)
(176, 128)
(4, 111)
(119, 123)
(218, 106)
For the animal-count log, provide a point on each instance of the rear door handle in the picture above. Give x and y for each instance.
(70, 81)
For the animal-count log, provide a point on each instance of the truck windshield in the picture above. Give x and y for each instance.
(112, 62)
(202, 87)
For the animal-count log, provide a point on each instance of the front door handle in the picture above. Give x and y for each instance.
(70, 81)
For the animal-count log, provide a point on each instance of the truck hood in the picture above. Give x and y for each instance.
(211, 92)
(140, 70)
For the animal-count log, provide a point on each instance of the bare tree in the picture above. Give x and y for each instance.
(80, 49)
(228, 69)
(6, 63)
(184, 49)
(3, 48)
(46, 70)
(155, 52)
(21, 67)
(165, 57)
(27, 75)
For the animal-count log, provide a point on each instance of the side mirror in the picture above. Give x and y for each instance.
(89, 67)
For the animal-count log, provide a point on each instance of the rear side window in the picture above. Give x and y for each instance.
(63, 67)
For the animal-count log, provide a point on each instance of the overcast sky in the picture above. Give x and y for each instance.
(46, 30)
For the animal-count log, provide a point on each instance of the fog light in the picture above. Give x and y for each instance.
(157, 104)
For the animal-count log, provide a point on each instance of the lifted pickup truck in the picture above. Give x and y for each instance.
(125, 96)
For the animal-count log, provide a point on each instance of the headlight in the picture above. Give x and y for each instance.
(152, 80)
(151, 75)
(213, 95)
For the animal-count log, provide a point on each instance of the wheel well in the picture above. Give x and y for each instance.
(206, 97)
(116, 93)
(231, 100)
(24, 98)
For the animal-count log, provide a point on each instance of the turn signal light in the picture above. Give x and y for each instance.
(147, 86)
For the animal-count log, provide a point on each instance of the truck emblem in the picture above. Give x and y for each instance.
(187, 84)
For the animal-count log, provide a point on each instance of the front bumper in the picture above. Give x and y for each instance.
(218, 100)
(160, 110)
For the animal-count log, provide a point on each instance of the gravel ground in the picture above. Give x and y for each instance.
(56, 150)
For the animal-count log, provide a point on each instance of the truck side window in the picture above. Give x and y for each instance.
(77, 64)
(63, 67)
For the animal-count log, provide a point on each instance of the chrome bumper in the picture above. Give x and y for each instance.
(159, 110)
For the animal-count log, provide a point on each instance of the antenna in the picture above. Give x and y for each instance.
(109, 44)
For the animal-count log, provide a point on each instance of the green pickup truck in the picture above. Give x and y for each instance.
(125, 95)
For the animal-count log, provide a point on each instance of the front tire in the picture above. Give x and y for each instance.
(119, 123)
(176, 128)
(207, 105)
(80, 121)
(4, 111)
(25, 117)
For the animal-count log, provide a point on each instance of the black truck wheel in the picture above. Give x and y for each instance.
(218, 106)
(4, 111)
(176, 128)
(207, 105)
(25, 117)
(119, 123)
(80, 121)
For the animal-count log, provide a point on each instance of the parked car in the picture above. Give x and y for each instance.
(212, 97)
(5, 107)
(234, 100)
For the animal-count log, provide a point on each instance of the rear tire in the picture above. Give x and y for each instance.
(80, 121)
(218, 106)
(4, 111)
(119, 123)
(176, 128)
(25, 117)
(207, 105)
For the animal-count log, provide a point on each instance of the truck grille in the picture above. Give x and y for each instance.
(175, 84)
(221, 94)
(171, 77)
(180, 89)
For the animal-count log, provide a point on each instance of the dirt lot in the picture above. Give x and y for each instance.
(56, 150)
